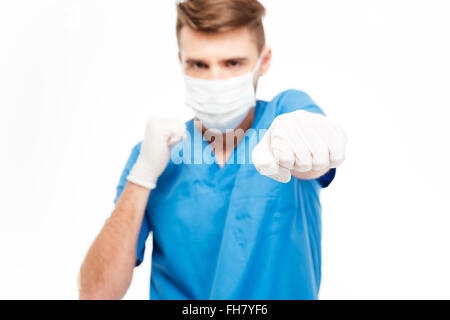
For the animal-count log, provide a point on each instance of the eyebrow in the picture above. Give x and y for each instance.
(238, 59)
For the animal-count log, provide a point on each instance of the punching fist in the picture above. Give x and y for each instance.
(160, 135)
(299, 141)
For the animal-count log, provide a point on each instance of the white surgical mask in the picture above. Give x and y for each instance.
(222, 104)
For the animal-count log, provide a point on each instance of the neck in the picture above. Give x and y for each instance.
(224, 144)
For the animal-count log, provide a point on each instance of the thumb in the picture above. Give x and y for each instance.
(283, 153)
(176, 132)
(263, 158)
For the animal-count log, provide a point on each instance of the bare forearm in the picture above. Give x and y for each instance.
(108, 267)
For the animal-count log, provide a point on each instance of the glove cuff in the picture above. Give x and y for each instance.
(142, 175)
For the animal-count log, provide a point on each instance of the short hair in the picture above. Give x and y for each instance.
(215, 16)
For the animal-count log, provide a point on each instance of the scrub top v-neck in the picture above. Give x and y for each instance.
(231, 233)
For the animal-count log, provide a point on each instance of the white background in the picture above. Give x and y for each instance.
(79, 78)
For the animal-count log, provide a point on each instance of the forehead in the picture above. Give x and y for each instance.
(238, 42)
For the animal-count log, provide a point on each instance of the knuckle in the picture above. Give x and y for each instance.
(152, 121)
(153, 124)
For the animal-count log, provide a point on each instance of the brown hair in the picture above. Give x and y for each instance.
(212, 16)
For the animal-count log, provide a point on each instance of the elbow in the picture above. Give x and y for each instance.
(89, 288)
(91, 293)
(95, 286)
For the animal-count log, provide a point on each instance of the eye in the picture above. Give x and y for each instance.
(233, 63)
(198, 65)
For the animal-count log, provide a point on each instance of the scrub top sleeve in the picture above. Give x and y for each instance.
(128, 166)
(145, 228)
(327, 178)
(293, 100)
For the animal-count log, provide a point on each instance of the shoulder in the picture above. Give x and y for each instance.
(293, 95)
(292, 100)
(137, 147)
(134, 154)
(136, 150)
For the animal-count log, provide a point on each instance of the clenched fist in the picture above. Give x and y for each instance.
(299, 141)
(160, 135)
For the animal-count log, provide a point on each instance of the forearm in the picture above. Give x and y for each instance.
(310, 175)
(107, 270)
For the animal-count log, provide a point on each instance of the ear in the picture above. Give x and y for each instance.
(266, 61)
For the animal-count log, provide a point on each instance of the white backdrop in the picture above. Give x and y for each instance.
(79, 78)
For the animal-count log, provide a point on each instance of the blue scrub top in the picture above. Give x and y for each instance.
(231, 233)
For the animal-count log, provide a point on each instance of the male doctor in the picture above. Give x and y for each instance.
(222, 229)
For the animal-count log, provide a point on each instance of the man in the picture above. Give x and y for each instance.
(230, 228)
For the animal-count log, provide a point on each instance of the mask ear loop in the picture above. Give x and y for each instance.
(258, 64)
(182, 62)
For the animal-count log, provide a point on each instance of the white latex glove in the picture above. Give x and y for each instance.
(160, 135)
(299, 141)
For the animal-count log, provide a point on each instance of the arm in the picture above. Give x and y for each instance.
(107, 270)
(300, 143)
